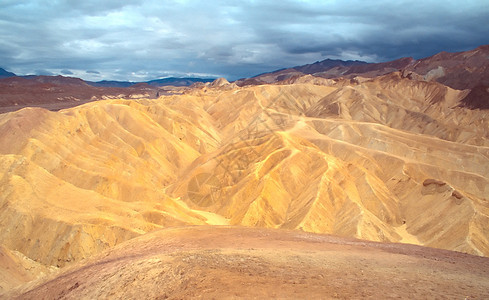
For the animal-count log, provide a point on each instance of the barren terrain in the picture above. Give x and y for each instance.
(235, 262)
(90, 194)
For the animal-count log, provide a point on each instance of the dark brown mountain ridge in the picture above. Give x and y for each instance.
(458, 70)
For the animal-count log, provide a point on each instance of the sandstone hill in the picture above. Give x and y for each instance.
(394, 159)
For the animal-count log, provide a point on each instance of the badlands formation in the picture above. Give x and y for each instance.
(392, 159)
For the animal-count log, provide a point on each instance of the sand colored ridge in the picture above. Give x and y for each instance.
(389, 159)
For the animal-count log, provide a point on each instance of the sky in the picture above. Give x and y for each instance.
(150, 39)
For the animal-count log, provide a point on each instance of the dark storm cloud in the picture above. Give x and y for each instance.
(139, 40)
(384, 30)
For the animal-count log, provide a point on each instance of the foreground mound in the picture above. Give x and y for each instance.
(235, 262)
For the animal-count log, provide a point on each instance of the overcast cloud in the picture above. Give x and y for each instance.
(142, 40)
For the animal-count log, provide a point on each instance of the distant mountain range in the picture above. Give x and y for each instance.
(170, 81)
(459, 70)
(5, 74)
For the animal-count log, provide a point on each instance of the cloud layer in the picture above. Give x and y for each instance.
(141, 40)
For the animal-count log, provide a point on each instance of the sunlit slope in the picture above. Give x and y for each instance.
(416, 106)
(407, 178)
(78, 181)
(16, 269)
(325, 185)
(390, 159)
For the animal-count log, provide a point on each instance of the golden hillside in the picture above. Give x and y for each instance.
(388, 159)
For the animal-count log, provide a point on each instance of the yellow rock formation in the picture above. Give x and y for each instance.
(388, 159)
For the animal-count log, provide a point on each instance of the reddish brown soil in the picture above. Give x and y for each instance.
(230, 262)
(477, 98)
(57, 92)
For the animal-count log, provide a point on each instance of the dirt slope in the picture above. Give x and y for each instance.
(59, 92)
(230, 262)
